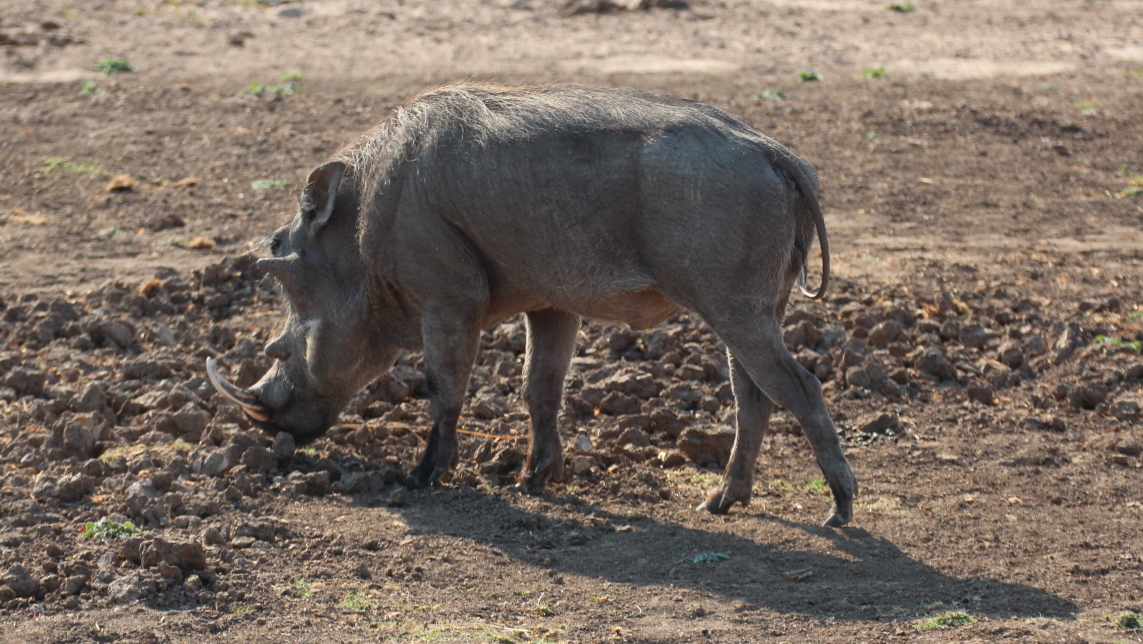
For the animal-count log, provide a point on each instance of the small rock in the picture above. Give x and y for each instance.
(974, 337)
(705, 445)
(75, 584)
(27, 382)
(1125, 410)
(121, 183)
(887, 423)
(20, 581)
(51, 583)
(158, 223)
(632, 382)
(868, 375)
(120, 332)
(242, 543)
(91, 399)
(688, 395)
(181, 554)
(804, 333)
(671, 459)
(261, 459)
(191, 421)
(1051, 423)
(284, 446)
(315, 483)
(634, 436)
(200, 243)
(882, 334)
(617, 404)
(1129, 448)
(81, 432)
(620, 340)
(1010, 354)
(982, 394)
(933, 363)
(363, 572)
(581, 465)
(193, 583)
(213, 537)
(398, 498)
(73, 487)
(489, 405)
(129, 589)
(1087, 396)
(582, 443)
(504, 461)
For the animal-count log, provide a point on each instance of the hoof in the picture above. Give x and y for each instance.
(535, 477)
(717, 502)
(412, 482)
(417, 480)
(835, 521)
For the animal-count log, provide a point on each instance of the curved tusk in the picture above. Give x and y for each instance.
(244, 399)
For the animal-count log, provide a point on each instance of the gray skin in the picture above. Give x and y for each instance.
(474, 203)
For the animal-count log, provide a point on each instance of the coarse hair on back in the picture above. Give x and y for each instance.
(480, 113)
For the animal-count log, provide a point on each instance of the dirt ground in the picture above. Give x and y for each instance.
(982, 171)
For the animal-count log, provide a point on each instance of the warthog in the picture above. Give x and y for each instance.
(473, 203)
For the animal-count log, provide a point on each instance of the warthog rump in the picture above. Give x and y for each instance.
(473, 203)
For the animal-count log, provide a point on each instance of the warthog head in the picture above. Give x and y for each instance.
(333, 343)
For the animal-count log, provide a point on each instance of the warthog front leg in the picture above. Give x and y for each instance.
(451, 340)
(551, 343)
(752, 417)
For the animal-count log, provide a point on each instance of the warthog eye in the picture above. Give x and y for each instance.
(275, 244)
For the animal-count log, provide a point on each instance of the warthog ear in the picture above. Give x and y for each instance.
(320, 194)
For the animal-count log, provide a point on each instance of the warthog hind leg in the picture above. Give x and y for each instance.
(755, 338)
(551, 343)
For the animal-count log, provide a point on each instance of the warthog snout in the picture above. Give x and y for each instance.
(271, 405)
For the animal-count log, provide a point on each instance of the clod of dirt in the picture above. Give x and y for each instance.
(983, 394)
(933, 363)
(312, 483)
(1051, 423)
(582, 443)
(130, 589)
(1087, 396)
(489, 405)
(200, 243)
(1129, 448)
(159, 552)
(260, 459)
(165, 221)
(885, 332)
(284, 446)
(884, 424)
(1125, 410)
(707, 445)
(581, 465)
(122, 183)
(618, 404)
(20, 582)
(75, 584)
(504, 461)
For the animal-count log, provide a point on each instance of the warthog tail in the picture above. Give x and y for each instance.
(795, 168)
